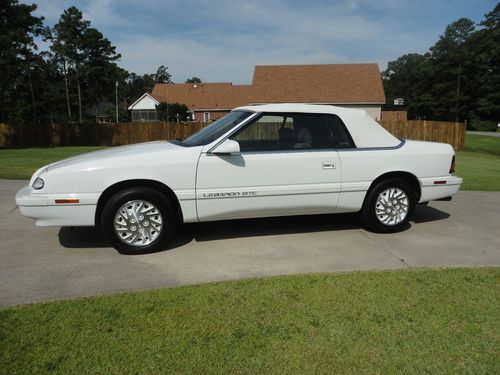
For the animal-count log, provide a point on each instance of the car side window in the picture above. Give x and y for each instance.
(292, 131)
(341, 138)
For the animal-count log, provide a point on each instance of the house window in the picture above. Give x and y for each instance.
(206, 116)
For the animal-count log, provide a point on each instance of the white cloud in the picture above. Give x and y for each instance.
(102, 12)
(222, 40)
(255, 35)
(212, 63)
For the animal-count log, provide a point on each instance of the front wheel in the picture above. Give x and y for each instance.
(138, 220)
(389, 206)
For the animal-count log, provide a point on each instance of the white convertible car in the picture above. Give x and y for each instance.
(265, 160)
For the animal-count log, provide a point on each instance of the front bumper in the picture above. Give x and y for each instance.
(43, 209)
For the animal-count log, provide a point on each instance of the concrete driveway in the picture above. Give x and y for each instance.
(40, 264)
(489, 134)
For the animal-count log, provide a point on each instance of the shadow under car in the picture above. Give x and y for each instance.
(91, 237)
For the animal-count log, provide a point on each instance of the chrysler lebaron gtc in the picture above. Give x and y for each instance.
(264, 160)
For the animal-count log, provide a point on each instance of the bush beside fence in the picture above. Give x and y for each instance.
(43, 135)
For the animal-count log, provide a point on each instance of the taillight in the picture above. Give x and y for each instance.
(452, 166)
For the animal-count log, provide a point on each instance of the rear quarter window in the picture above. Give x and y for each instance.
(341, 137)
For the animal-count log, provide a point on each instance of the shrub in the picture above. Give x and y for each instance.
(169, 111)
(485, 126)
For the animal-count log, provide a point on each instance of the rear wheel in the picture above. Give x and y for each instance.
(389, 206)
(138, 220)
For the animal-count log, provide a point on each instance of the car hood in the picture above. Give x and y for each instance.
(98, 157)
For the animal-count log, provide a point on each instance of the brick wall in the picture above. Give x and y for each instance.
(214, 115)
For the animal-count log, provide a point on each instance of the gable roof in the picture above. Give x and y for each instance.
(142, 97)
(223, 95)
(324, 83)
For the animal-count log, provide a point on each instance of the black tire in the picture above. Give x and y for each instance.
(368, 213)
(153, 196)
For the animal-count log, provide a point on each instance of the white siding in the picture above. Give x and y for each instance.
(145, 102)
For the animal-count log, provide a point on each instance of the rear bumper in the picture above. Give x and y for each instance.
(435, 188)
(42, 208)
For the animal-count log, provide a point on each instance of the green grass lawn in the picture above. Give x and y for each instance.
(21, 163)
(395, 322)
(483, 143)
(479, 164)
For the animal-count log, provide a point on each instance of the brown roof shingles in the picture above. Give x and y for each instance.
(203, 95)
(327, 83)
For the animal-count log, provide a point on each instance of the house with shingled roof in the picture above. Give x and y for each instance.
(346, 85)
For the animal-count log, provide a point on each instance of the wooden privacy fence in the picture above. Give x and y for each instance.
(436, 131)
(43, 135)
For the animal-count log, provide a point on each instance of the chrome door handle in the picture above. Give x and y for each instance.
(328, 165)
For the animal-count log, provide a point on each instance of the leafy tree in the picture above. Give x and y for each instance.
(162, 75)
(79, 70)
(123, 114)
(452, 65)
(136, 85)
(492, 19)
(172, 112)
(18, 27)
(193, 80)
(486, 62)
(99, 69)
(458, 79)
(69, 34)
(86, 57)
(37, 96)
(407, 78)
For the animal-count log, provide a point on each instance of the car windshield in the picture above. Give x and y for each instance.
(218, 128)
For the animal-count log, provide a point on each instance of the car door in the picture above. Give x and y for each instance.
(287, 165)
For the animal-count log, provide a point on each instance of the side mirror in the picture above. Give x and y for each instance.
(228, 147)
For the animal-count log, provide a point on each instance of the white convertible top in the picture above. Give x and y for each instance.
(364, 130)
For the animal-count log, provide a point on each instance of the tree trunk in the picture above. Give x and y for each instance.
(33, 101)
(457, 108)
(79, 97)
(95, 101)
(2, 107)
(65, 72)
(77, 68)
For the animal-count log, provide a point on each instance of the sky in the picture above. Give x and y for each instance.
(222, 40)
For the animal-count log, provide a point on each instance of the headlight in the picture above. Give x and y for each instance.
(38, 183)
